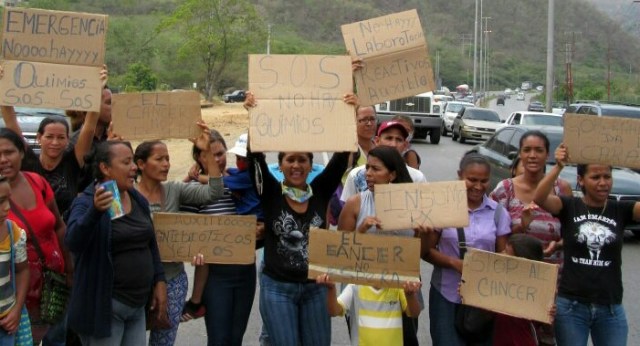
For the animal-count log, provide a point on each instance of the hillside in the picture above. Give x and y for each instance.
(517, 39)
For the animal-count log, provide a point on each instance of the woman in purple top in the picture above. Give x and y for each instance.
(489, 227)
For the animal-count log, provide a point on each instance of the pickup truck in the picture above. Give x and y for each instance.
(423, 109)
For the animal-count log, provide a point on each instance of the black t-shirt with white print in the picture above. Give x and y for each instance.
(593, 250)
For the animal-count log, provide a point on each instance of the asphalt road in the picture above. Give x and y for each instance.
(439, 163)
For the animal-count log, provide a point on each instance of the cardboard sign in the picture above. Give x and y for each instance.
(300, 106)
(609, 140)
(67, 38)
(225, 239)
(366, 259)
(510, 285)
(42, 85)
(395, 56)
(405, 206)
(156, 115)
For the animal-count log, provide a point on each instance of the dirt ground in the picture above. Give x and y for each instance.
(230, 119)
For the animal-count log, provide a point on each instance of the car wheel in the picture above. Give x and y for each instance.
(434, 136)
(453, 134)
(443, 131)
(462, 139)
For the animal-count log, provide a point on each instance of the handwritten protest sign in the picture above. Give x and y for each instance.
(68, 38)
(34, 84)
(510, 285)
(52, 58)
(300, 104)
(607, 140)
(395, 56)
(226, 239)
(405, 206)
(366, 259)
(156, 115)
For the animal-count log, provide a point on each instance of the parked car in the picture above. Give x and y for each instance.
(533, 118)
(536, 106)
(520, 96)
(500, 100)
(558, 107)
(474, 123)
(451, 110)
(235, 96)
(29, 120)
(503, 146)
(605, 110)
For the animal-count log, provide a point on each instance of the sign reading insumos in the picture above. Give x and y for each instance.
(52, 58)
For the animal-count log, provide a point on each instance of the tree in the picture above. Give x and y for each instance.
(215, 32)
(140, 77)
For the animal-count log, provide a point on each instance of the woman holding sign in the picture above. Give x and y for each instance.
(589, 298)
(489, 227)
(293, 308)
(152, 159)
(117, 262)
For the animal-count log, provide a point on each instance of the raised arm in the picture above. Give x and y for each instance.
(88, 129)
(543, 196)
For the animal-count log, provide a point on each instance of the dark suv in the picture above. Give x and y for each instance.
(29, 120)
(235, 96)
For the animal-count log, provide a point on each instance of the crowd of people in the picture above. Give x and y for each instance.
(54, 217)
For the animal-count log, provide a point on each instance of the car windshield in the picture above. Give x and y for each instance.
(542, 120)
(454, 107)
(622, 112)
(482, 114)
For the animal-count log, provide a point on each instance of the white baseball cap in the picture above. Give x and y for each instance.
(240, 148)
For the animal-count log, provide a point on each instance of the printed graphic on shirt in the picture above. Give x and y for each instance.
(360, 181)
(293, 238)
(595, 236)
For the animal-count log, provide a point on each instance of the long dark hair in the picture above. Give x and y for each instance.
(102, 153)
(393, 161)
(13, 137)
(52, 120)
(143, 151)
(535, 133)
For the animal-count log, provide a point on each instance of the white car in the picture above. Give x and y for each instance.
(520, 96)
(533, 118)
(450, 112)
(508, 91)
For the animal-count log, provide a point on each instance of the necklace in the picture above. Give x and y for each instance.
(603, 207)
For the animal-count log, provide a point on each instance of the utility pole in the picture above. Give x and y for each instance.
(550, 28)
(268, 39)
(466, 42)
(569, 50)
(475, 53)
(608, 71)
(485, 68)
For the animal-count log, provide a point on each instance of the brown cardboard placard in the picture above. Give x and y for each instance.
(224, 239)
(156, 115)
(42, 85)
(606, 140)
(68, 38)
(300, 103)
(509, 285)
(405, 206)
(366, 259)
(395, 56)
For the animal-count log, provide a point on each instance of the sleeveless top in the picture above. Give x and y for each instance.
(368, 208)
(543, 225)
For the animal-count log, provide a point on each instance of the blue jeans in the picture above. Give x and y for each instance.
(574, 321)
(7, 339)
(228, 298)
(295, 313)
(176, 295)
(127, 327)
(57, 334)
(442, 315)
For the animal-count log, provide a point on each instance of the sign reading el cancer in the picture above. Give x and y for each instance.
(509, 285)
(300, 103)
(607, 140)
(52, 58)
(156, 115)
(395, 56)
(225, 239)
(405, 206)
(366, 259)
